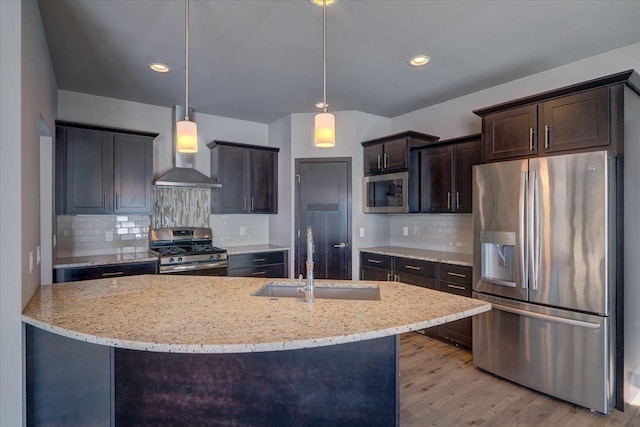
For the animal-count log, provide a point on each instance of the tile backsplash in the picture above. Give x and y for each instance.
(439, 232)
(228, 230)
(86, 235)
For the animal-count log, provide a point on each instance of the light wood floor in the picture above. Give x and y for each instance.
(439, 386)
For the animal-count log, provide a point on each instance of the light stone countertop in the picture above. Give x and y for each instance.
(207, 314)
(423, 254)
(248, 249)
(98, 260)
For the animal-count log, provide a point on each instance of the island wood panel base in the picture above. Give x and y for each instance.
(340, 385)
(74, 383)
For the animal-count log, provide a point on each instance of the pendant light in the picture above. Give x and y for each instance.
(187, 131)
(325, 123)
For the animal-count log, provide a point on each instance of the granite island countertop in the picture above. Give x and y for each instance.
(206, 314)
(423, 254)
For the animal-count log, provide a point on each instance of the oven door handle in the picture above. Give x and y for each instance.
(192, 266)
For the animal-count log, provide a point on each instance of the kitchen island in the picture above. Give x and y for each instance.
(186, 350)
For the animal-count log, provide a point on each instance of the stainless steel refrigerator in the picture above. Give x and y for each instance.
(544, 256)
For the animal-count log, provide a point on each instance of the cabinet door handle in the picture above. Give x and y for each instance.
(546, 136)
(258, 259)
(375, 261)
(252, 204)
(379, 162)
(397, 278)
(386, 161)
(340, 245)
(104, 200)
(531, 132)
(457, 200)
(461, 288)
(388, 277)
(117, 201)
(456, 274)
(448, 199)
(244, 203)
(115, 273)
(411, 267)
(258, 273)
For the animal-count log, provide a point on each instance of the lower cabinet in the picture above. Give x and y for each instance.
(259, 264)
(454, 279)
(72, 274)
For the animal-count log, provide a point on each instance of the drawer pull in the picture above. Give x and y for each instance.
(115, 273)
(461, 288)
(258, 273)
(375, 261)
(258, 259)
(411, 267)
(456, 274)
(388, 277)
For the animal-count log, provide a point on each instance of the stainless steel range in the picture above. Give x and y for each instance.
(187, 250)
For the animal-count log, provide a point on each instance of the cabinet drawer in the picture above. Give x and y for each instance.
(415, 267)
(102, 272)
(276, 270)
(412, 279)
(455, 274)
(368, 259)
(255, 259)
(455, 288)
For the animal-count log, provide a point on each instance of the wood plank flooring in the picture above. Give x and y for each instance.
(440, 386)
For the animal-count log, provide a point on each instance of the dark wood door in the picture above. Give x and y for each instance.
(323, 201)
(512, 133)
(233, 174)
(436, 181)
(465, 156)
(395, 155)
(373, 158)
(575, 122)
(133, 174)
(263, 181)
(89, 171)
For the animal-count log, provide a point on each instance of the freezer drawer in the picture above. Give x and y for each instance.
(561, 353)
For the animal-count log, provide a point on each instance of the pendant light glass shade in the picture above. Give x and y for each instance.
(187, 136)
(325, 135)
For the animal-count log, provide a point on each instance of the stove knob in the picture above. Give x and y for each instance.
(171, 259)
(211, 257)
(179, 259)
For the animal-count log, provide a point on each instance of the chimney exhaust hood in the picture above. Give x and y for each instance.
(183, 174)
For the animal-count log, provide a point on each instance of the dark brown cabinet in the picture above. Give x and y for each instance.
(456, 279)
(259, 264)
(578, 121)
(415, 272)
(249, 178)
(445, 181)
(103, 170)
(72, 274)
(391, 153)
(376, 266)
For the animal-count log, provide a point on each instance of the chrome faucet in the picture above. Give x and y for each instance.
(309, 288)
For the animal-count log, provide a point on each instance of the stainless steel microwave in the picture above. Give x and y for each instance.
(386, 193)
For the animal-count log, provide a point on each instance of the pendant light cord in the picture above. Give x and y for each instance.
(324, 55)
(186, 61)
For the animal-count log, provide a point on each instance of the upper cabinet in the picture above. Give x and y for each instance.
(103, 170)
(444, 176)
(580, 117)
(391, 153)
(249, 178)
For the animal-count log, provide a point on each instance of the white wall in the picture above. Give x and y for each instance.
(352, 127)
(28, 93)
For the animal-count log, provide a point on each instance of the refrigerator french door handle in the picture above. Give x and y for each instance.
(536, 229)
(541, 316)
(521, 228)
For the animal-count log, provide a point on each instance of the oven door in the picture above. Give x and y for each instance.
(387, 193)
(196, 269)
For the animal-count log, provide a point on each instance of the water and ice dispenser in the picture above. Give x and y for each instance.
(498, 252)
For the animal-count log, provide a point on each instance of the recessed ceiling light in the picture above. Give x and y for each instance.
(419, 60)
(159, 68)
(320, 3)
(321, 105)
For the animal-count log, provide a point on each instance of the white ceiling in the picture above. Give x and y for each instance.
(260, 60)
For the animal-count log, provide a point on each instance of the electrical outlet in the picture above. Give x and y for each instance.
(109, 236)
(361, 231)
(30, 262)
(38, 255)
(405, 231)
(243, 231)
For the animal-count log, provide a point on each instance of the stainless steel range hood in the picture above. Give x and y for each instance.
(183, 174)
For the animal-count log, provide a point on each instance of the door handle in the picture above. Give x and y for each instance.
(448, 200)
(546, 136)
(525, 313)
(456, 274)
(340, 245)
(460, 288)
(457, 200)
(521, 229)
(244, 203)
(252, 204)
(531, 132)
(385, 164)
(375, 261)
(411, 267)
(379, 162)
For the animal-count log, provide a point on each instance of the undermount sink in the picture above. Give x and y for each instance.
(290, 290)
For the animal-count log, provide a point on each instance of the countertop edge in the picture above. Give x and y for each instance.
(251, 348)
(435, 256)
